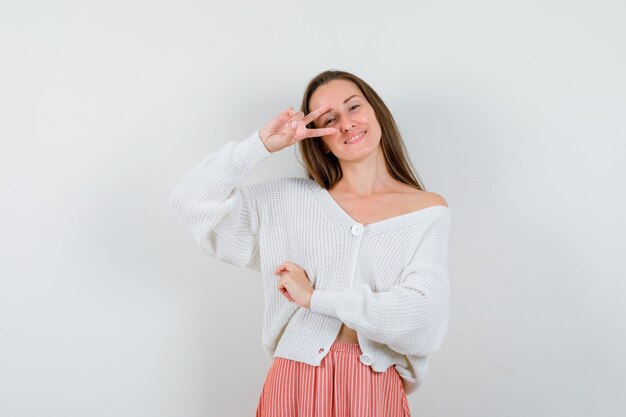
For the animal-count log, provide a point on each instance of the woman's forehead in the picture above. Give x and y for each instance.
(334, 93)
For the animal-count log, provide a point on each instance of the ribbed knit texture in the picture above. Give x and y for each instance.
(387, 280)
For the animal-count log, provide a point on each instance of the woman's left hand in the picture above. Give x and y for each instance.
(294, 284)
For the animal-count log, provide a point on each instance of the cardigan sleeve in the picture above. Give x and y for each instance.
(214, 206)
(411, 317)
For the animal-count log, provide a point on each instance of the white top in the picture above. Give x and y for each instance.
(387, 280)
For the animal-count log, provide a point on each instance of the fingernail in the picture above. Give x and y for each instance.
(293, 124)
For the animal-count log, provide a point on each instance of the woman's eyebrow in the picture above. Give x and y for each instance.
(345, 101)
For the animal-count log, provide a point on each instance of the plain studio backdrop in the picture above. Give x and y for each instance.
(513, 111)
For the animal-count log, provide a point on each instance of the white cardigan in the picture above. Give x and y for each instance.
(387, 280)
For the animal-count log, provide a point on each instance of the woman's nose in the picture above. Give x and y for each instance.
(347, 124)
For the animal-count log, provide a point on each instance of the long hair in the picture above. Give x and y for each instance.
(324, 168)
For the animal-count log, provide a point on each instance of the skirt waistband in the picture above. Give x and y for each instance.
(346, 347)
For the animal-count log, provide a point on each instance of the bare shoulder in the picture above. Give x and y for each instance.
(424, 199)
(434, 199)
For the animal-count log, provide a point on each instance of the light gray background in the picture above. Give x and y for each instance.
(513, 111)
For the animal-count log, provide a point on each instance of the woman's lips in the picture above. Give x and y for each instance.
(359, 137)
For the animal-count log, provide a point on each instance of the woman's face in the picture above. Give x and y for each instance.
(358, 132)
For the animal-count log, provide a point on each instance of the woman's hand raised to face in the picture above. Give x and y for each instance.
(289, 127)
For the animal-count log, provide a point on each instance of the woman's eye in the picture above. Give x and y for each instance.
(326, 122)
(356, 105)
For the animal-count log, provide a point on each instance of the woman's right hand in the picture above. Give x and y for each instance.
(289, 127)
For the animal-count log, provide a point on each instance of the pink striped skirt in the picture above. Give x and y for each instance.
(340, 387)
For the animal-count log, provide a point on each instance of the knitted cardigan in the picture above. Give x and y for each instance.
(387, 280)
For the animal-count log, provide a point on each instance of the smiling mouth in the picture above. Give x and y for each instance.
(355, 138)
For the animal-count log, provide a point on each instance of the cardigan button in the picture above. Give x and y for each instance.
(321, 350)
(357, 229)
(366, 359)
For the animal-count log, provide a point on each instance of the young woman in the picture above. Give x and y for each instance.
(353, 257)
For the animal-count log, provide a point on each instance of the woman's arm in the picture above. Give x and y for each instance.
(412, 316)
(217, 209)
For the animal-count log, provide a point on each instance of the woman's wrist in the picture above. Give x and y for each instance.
(262, 135)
